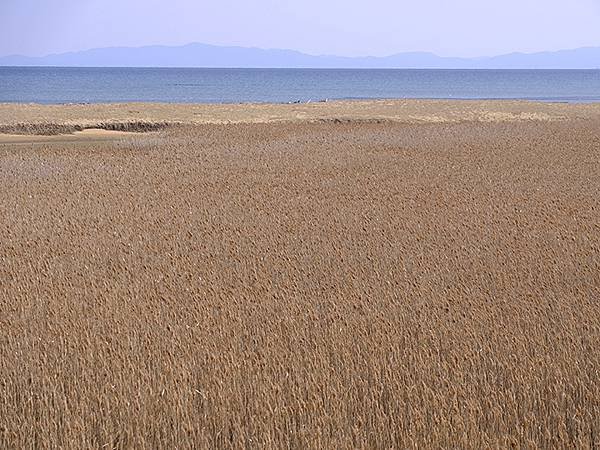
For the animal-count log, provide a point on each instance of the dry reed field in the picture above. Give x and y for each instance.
(303, 285)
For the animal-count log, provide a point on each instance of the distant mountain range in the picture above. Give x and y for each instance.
(202, 55)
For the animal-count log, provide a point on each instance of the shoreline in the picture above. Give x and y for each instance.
(320, 100)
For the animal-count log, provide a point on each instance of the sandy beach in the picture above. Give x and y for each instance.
(55, 119)
(381, 274)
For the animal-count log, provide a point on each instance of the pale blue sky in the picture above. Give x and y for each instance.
(343, 27)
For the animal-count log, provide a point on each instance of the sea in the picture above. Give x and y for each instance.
(50, 85)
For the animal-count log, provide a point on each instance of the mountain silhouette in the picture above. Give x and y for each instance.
(203, 55)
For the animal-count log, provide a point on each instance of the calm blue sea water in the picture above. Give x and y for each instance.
(100, 85)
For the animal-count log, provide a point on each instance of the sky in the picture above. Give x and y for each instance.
(341, 27)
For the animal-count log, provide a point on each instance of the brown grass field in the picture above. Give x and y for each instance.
(303, 285)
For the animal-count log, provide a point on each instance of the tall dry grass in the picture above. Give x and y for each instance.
(303, 286)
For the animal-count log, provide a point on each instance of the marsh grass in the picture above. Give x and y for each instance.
(303, 286)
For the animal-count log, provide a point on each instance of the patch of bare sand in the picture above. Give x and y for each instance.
(87, 135)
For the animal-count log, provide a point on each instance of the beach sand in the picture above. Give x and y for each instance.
(53, 119)
(430, 281)
(86, 135)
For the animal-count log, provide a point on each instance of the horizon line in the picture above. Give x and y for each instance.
(452, 69)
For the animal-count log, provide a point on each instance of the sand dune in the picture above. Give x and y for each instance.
(56, 119)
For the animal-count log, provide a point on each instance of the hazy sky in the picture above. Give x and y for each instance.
(344, 27)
